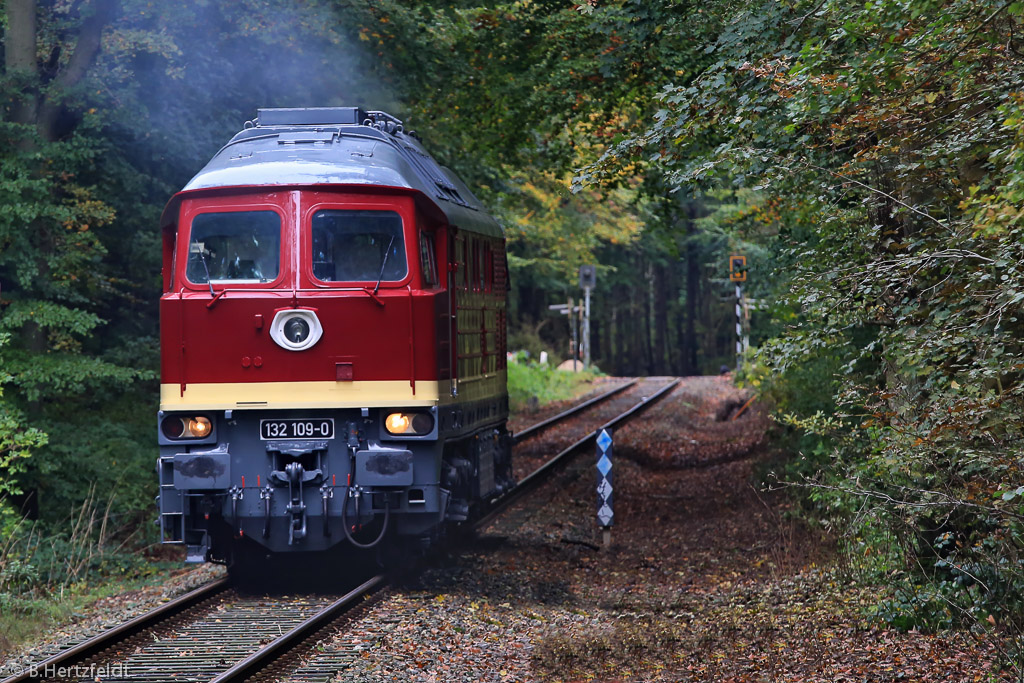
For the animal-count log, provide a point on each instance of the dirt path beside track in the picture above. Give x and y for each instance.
(705, 580)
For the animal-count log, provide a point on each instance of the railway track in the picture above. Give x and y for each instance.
(216, 634)
(534, 430)
(539, 475)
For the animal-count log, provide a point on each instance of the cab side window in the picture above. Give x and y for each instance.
(428, 262)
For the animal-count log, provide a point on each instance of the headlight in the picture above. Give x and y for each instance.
(409, 424)
(199, 427)
(178, 427)
(296, 329)
(397, 423)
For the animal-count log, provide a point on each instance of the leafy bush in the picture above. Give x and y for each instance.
(530, 381)
(898, 244)
(16, 444)
(38, 561)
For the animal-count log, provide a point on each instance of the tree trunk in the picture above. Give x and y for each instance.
(660, 284)
(20, 58)
(649, 360)
(41, 104)
(676, 307)
(620, 332)
(627, 322)
(639, 319)
(692, 291)
(613, 340)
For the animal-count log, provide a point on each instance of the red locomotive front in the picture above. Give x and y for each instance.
(332, 335)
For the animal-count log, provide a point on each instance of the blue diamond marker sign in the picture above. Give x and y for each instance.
(605, 512)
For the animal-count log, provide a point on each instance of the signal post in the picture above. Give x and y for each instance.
(738, 275)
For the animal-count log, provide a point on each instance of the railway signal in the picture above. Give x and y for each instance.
(605, 511)
(738, 268)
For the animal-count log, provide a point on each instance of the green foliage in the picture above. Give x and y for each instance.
(884, 139)
(93, 145)
(551, 233)
(36, 560)
(49, 572)
(16, 444)
(106, 443)
(469, 76)
(530, 383)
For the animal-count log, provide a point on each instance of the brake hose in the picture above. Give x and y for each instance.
(383, 529)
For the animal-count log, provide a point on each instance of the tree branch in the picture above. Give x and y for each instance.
(877, 191)
(970, 36)
(946, 502)
(800, 22)
(87, 47)
(83, 57)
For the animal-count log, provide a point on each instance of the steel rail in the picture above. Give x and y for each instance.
(102, 641)
(519, 437)
(537, 476)
(275, 648)
(260, 659)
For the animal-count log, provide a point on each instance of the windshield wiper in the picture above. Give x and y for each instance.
(384, 262)
(202, 257)
(214, 296)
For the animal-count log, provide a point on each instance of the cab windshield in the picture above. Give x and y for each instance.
(235, 246)
(351, 246)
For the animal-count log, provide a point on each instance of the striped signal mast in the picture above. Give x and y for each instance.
(738, 275)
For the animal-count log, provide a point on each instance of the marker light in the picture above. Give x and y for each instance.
(409, 424)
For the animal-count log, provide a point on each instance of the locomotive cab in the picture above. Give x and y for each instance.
(332, 343)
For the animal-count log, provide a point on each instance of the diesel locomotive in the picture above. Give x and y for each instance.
(332, 329)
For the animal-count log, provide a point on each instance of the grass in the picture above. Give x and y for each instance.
(49, 576)
(543, 384)
(24, 618)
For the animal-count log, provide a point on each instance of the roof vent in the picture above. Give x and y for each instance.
(311, 116)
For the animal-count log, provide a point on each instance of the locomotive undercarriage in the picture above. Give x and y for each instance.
(284, 496)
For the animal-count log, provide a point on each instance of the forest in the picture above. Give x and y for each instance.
(866, 157)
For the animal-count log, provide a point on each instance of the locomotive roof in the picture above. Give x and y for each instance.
(340, 146)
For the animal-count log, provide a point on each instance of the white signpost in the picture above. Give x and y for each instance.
(605, 511)
(588, 280)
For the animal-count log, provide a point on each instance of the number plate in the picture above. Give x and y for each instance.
(319, 428)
